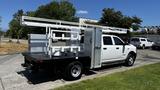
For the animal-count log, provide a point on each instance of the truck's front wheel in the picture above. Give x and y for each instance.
(130, 60)
(73, 71)
(143, 47)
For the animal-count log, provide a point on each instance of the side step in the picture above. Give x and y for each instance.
(112, 63)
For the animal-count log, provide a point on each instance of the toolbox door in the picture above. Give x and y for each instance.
(92, 46)
(96, 46)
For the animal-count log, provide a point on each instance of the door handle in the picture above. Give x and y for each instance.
(104, 48)
(117, 47)
(98, 47)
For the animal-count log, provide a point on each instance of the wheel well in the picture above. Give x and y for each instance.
(133, 53)
(84, 61)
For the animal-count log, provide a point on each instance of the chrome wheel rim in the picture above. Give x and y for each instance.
(75, 70)
(130, 61)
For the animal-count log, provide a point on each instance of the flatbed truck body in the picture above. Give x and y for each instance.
(73, 57)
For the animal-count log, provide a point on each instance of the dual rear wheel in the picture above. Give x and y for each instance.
(73, 71)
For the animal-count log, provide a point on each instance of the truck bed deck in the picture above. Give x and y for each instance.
(42, 56)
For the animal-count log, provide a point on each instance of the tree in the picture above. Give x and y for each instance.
(0, 22)
(126, 22)
(0, 31)
(62, 10)
(136, 23)
(111, 17)
(14, 25)
(30, 13)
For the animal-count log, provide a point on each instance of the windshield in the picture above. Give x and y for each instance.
(135, 39)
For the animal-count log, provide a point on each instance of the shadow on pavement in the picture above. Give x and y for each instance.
(39, 77)
(151, 57)
(46, 76)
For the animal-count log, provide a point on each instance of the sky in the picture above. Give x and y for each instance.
(147, 10)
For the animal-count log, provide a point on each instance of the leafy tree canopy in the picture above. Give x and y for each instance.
(62, 10)
(111, 17)
(1, 32)
(0, 22)
(14, 25)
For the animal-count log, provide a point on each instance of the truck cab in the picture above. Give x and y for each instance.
(107, 49)
(114, 49)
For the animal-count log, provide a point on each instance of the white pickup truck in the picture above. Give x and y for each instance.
(114, 49)
(99, 49)
(141, 42)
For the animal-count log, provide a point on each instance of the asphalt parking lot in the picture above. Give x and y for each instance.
(14, 77)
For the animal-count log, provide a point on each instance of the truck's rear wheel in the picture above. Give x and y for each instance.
(73, 71)
(130, 60)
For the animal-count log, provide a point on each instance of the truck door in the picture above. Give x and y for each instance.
(119, 48)
(107, 49)
(112, 49)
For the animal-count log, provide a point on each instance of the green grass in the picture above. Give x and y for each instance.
(143, 78)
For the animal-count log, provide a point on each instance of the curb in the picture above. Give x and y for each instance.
(11, 53)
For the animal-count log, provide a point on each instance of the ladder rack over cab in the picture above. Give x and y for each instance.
(72, 47)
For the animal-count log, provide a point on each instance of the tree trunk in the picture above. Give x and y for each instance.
(18, 39)
(10, 39)
(0, 41)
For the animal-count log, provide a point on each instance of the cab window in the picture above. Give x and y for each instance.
(107, 40)
(135, 39)
(117, 41)
(143, 40)
(149, 40)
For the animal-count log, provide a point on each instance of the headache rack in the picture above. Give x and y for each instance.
(58, 30)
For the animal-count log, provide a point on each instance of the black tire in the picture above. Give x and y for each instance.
(73, 71)
(153, 48)
(26, 63)
(143, 47)
(130, 60)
